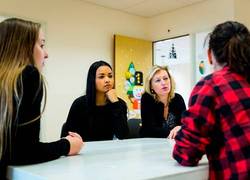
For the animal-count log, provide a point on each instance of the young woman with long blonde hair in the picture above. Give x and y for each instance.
(22, 57)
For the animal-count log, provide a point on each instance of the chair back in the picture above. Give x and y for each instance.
(134, 128)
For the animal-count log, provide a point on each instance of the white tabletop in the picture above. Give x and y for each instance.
(146, 158)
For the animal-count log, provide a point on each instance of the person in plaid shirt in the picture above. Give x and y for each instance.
(217, 122)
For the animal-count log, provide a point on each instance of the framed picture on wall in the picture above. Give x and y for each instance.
(172, 51)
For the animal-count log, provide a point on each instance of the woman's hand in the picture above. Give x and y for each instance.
(111, 95)
(174, 132)
(76, 143)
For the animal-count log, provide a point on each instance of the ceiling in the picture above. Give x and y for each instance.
(144, 8)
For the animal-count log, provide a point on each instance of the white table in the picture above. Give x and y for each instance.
(146, 158)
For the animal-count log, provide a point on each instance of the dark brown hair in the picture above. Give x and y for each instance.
(230, 44)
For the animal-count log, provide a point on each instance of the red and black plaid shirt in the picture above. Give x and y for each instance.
(217, 124)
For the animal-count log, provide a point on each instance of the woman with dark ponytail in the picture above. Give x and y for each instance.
(217, 122)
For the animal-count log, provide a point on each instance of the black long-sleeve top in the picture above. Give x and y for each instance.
(26, 145)
(97, 123)
(152, 114)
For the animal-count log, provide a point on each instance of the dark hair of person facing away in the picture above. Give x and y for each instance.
(91, 87)
(17, 40)
(230, 44)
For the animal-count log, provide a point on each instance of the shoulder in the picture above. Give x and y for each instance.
(31, 80)
(208, 85)
(82, 100)
(147, 98)
(30, 73)
(205, 83)
(145, 95)
(178, 101)
(79, 105)
(121, 101)
(177, 96)
(224, 76)
(215, 78)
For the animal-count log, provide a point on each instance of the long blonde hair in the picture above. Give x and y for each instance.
(149, 78)
(17, 41)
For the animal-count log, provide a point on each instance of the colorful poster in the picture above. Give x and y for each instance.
(202, 66)
(133, 60)
(134, 87)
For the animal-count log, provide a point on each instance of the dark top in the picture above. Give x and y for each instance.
(153, 122)
(26, 147)
(98, 123)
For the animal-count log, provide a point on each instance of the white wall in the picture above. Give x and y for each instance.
(242, 11)
(77, 34)
(189, 20)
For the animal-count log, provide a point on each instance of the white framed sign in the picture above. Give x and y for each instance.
(172, 51)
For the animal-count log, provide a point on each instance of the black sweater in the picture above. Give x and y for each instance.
(26, 145)
(153, 119)
(97, 123)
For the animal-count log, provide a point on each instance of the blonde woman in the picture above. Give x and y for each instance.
(161, 107)
(22, 58)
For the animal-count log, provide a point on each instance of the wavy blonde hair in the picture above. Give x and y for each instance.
(148, 86)
(17, 41)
